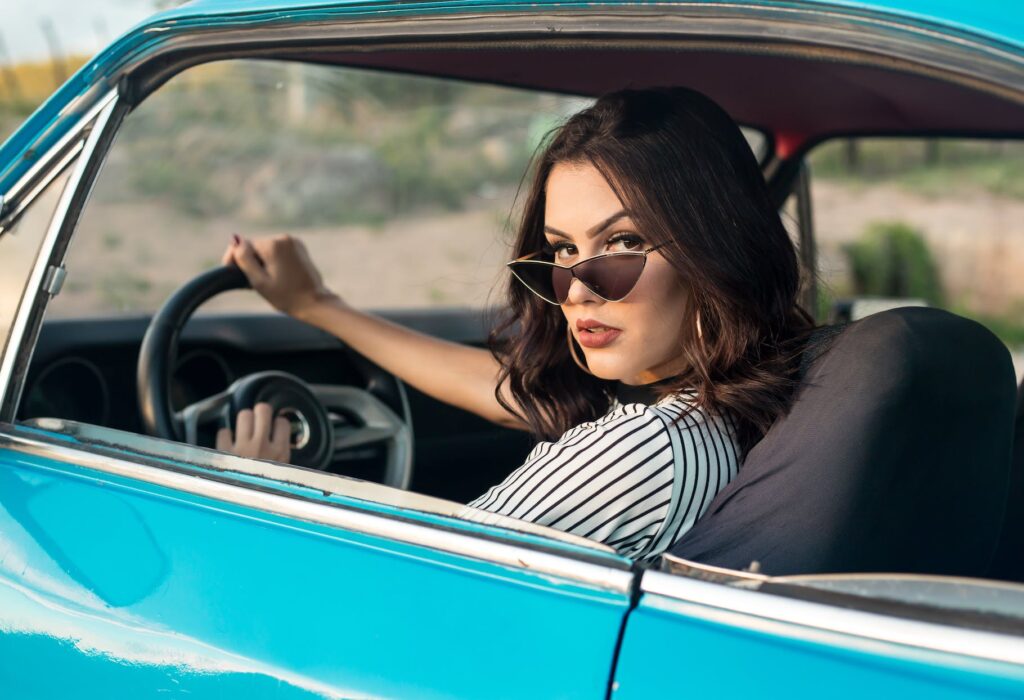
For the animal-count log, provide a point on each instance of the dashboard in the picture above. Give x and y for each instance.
(84, 370)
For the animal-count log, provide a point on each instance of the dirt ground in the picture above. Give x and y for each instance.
(129, 257)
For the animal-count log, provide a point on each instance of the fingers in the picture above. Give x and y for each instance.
(224, 441)
(280, 446)
(243, 426)
(281, 270)
(263, 416)
(257, 434)
(245, 256)
(229, 253)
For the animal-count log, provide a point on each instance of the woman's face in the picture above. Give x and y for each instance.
(582, 218)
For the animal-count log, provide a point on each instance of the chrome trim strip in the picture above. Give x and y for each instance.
(58, 163)
(802, 619)
(922, 578)
(678, 566)
(424, 535)
(233, 468)
(14, 197)
(33, 287)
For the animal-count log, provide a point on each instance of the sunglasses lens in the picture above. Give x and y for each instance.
(539, 278)
(611, 276)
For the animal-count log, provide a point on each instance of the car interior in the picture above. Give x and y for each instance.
(908, 414)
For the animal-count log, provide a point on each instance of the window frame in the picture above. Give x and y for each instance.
(83, 149)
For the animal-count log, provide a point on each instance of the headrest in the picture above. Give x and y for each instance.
(894, 456)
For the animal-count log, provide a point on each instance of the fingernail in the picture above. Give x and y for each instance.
(235, 240)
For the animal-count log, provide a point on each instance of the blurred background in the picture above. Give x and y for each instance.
(42, 42)
(404, 188)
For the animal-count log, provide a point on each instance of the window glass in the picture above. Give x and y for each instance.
(400, 186)
(19, 248)
(937, 222)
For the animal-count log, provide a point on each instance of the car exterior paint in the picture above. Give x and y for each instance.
(117, 585)
(133, 588)
(770, 655)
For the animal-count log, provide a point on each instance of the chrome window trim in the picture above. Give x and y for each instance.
(23, 192)
(103, 440)
(550, 563)
(15, 205)
(828, 624)
(33, 287)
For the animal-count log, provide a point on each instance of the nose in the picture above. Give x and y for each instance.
(579, 293)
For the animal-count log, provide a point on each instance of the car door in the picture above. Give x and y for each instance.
(136, 567)
(699, 631)
(153, 568)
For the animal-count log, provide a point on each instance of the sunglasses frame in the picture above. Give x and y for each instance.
(572, 271)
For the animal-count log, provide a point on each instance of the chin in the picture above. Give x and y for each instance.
(610, 371)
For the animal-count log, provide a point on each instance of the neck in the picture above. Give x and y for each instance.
(657, 374)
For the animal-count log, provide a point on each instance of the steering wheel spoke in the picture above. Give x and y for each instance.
(216, 408)
(348, 438)
(380, 425)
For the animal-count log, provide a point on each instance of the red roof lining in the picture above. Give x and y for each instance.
(781, 94)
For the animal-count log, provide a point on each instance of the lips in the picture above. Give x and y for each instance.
(593, 334)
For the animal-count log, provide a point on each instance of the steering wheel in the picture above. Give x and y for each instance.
(315, 441)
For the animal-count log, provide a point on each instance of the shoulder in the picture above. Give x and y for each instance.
(678, 411)
(620, 422)
(631, 432)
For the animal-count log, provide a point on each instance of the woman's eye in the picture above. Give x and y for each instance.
(624, 242)
(563, 250)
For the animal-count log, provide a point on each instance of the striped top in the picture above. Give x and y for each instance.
(635, 479)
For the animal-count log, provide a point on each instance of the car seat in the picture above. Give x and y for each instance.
(1008, 563)
(894, 457)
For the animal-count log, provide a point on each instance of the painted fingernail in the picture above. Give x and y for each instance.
(235, 240)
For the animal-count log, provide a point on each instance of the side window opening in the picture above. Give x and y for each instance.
(933, 222)
(403, 185)
(19, 246)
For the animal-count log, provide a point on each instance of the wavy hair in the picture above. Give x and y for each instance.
(683, 169)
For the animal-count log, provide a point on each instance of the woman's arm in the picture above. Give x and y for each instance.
(280, 269)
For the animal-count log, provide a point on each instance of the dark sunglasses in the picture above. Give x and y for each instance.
(610, 276)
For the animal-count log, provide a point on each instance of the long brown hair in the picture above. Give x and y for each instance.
(683, 169)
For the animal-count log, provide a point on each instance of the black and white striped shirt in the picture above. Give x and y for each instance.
(634, 479)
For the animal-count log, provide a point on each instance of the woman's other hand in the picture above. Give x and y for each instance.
(279, 268)
(257, 434)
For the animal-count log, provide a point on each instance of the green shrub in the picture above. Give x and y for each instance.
(892, 259)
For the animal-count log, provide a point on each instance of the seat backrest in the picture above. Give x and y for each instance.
(1008, 563)
(894, 457)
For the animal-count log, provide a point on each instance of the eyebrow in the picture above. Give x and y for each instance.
(621, 214)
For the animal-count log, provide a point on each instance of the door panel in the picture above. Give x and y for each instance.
(116, 587)
(725, 650)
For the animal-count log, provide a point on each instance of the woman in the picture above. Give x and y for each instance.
(648, 245)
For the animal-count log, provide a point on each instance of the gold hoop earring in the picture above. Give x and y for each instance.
(572, 351)
(700, 333)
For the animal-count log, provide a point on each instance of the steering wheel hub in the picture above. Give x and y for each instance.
(299, 433)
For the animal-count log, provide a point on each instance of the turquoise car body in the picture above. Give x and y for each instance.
(128, 575)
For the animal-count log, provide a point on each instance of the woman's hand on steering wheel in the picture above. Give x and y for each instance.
(280, 270)
(257, 435)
